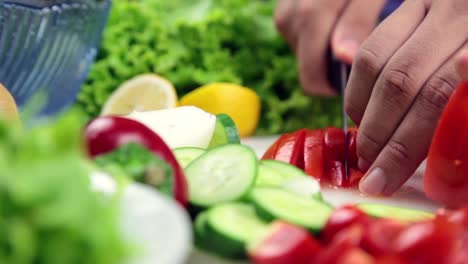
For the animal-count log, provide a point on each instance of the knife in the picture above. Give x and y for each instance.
(338, 74)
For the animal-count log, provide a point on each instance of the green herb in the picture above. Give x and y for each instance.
(141, 165)
(193, 43)
(48, 213)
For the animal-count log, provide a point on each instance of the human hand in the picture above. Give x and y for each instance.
(462, 65)
(309, 27)
(401, 80)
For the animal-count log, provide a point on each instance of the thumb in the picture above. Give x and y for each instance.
(356, 23)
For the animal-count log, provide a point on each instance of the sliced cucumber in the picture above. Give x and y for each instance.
(201, 233)
(394, 212)
(285, 169)
(225, 132)
(305, 186)
(273, 203)
(272, 173)
(231, 226)
(186, 155)
(222, 174)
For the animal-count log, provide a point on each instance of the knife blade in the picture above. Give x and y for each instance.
(338, 76)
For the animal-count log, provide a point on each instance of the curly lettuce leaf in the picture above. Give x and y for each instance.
(193, 43)
(48, 213)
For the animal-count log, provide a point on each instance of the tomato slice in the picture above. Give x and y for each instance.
(356, 256)
(334, 140)
(355, 175)
(333, 252)
(427, 242)
(390, 259)
(446, 175)
(285, 244)
(342, 218)
(270, 152)
(291, 148)
(352, 147)
(380, 234)
(313, 153)
(336, 174)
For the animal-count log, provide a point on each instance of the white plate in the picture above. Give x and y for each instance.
(409, 196)
(151, 221)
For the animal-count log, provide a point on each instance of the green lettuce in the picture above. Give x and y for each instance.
(48, 213)
(193, 43)
(140, 165)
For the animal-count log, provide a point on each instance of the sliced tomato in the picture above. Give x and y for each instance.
(427, 242)
(355, 175)
(336, 174)
(333, 252)
(342, 218)
(285, 244)
(352, 147)
(390, 259)
(334, 140)
(352, 234)
(356, 256)
(313, 153)
(270, 152)
(380, 235)
(291, 148)
(446, 175)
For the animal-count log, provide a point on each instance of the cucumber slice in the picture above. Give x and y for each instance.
(305, 186)
(394, 212)
(274, 204)
(272, 173)
(201, 233)
(186, 155)
(222, 174)
(225, 132)
(231, 226)
(283, 168)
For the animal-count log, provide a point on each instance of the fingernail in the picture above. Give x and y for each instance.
(374, 183)
(363, 165)
(347, 50)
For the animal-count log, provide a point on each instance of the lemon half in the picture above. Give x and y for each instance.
(144, 92)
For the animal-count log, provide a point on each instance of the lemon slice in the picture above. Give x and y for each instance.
(144, 92)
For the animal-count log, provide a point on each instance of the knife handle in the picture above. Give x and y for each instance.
(334, 71)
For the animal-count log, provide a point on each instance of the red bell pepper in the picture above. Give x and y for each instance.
(105, 134)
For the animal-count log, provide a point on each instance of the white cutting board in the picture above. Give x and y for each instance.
(410, 196)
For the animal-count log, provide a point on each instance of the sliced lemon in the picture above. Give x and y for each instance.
(144, 92)
(240, 103)
(8, 108)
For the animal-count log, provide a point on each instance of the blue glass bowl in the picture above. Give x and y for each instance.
(49, 46)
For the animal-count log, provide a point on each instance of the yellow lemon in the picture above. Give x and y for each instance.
(144, 92)
(240, 103)
(8, 108)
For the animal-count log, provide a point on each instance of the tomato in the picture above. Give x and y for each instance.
(390, 259)
(446, 175)
(380, 234)
(313, 153)
(355, 256)
(352, 234)
(334, 140)
(270, 152)
(291, 148)
(333, 252)
(336, 174)
(355, 175)
(352, 147)
(427, 242)
(285, 244)
(341, 218)
(104, 134)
